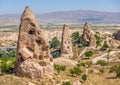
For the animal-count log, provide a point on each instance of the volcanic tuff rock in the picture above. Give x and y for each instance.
(66, 45)
(112, 42)
(88, 36)
(33, 55)
(117, 35)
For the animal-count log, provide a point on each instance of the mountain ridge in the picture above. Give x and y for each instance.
(70, 16)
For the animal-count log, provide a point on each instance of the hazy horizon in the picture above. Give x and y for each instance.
(46, 6)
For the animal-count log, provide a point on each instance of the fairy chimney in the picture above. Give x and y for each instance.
(66, 45)
(33, 54)
(88, 36)
(117, 34)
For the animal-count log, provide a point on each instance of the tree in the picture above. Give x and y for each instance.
(57, 54)
(59, 68)
(7, 63)
(76, 37)
(88, 53)
(77, 71)
(85, 43)
(4, 65)
(97, 37)
(98, 40)
(67, 83)
(115, 69)
(84, 77)
(104, 47)
(11, 53)
(54, 43)
(102, 63)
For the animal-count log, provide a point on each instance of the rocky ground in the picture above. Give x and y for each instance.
(95, 77)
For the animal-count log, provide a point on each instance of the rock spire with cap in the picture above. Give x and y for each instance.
(33, 55)
(66, 45)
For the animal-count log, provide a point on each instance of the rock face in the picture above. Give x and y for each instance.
(77, 82)
(65, 61)
(117, 35)
(111, 42)
(88, 36)
(33, 55)
(66, 45)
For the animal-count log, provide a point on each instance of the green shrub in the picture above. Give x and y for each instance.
(76, 38)
(84, 77)
(102, 62)
(77, 71)
(8, 53)
(67, 83)
(97, 37)
(54, 43)
(57, 54)
(104, 47)
(7, 63)
(3, 65)
(80, 64)
(59, 68)
(85, 43)
(88, 64)
(115, 69)
(88, 53)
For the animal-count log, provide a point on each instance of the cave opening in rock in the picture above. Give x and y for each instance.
(31, 32)
(38, 42)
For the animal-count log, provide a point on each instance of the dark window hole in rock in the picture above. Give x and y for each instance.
(38, 42)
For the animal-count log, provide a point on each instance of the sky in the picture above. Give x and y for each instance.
(46, 6)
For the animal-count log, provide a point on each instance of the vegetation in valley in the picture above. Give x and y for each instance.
(84, 71)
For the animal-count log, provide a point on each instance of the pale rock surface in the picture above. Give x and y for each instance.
(112, 42)
(77, 82)
(33, 54)
(64, 61)
(29, 83)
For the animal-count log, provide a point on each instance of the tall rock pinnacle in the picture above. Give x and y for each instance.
(66, 46)
(33, 55)
(88, 36)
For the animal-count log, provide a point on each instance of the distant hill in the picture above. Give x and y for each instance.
(77, 16)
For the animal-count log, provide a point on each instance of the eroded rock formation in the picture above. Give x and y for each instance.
(33, 55)
(117, 35)
(66, 45)
(88, 36)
